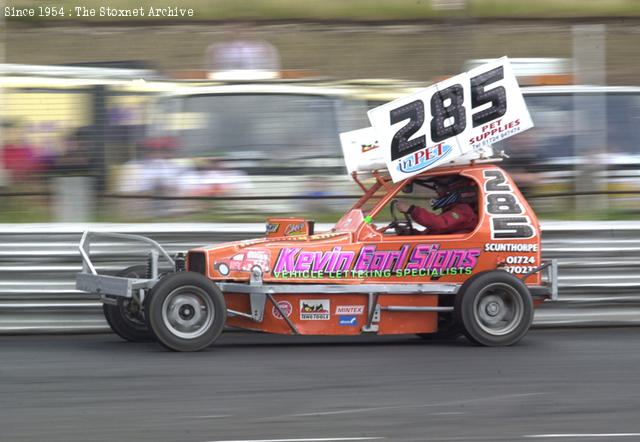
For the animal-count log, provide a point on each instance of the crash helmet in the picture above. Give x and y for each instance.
(453, 190)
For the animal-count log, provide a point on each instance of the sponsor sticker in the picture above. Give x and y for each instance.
(368, 147)
(315, 309)
(349, 309)
(361, 150)
(295, 229)
(285, 306)
(348, 321)
(272, 227)
(424, 158)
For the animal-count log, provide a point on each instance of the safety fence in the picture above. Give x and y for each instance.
(599, 270)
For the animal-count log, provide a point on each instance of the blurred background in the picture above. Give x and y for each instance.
(234, 114)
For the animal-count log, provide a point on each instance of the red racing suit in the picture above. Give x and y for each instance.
(459, 218)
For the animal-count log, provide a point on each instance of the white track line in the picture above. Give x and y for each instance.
(579, 435)
(214, 416)
(321, 439)
(396, 407)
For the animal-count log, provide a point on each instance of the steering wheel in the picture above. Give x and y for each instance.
(401, 227)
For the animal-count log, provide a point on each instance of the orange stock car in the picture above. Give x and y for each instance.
(366, 275)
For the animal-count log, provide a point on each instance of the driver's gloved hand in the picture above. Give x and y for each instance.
(403, 207)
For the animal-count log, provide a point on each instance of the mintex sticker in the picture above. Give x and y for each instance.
(285, 306)
(315, 309)
(348, 321)
(349, 309)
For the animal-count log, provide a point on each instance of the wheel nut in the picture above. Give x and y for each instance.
(493, 308)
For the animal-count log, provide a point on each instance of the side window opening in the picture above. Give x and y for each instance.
(446, 204)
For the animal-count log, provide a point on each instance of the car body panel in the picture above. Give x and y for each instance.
(357, 252)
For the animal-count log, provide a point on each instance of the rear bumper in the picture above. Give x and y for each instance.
(549, 288)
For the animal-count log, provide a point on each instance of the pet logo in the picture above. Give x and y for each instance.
(424, 158)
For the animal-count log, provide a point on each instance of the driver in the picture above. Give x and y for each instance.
(457, 199)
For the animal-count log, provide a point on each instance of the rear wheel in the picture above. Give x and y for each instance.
(186, 311)
(126, 318)
(494, 309)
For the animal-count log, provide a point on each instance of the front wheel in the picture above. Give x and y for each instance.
(448, 330)
(186, 311)
(494, 309)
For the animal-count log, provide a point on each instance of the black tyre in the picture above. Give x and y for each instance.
(494, 309)
(448, 328)
(186, 311)
(126, 319)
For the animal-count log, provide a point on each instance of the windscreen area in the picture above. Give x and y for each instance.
(256, 126)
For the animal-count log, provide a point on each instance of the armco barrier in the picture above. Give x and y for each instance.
(598, 266)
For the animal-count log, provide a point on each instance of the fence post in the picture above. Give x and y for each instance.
(590, 115)
(100, 127)
(73, 199)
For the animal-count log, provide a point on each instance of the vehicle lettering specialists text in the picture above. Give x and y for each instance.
(422, 260)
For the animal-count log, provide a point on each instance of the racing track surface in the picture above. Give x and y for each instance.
(557, 385)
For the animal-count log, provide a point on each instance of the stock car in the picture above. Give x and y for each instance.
(374, 272)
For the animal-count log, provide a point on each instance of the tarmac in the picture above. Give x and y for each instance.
(555, 385)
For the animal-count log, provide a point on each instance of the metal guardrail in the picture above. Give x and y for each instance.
(599, 270)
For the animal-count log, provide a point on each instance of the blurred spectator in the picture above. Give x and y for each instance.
(211, 177)
(157, 174)
(206, 178)
(20, 158)
(76, 159)
(241, 57)
(50, 144)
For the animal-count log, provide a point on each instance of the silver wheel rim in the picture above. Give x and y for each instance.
(188, 312)
(499, 309)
